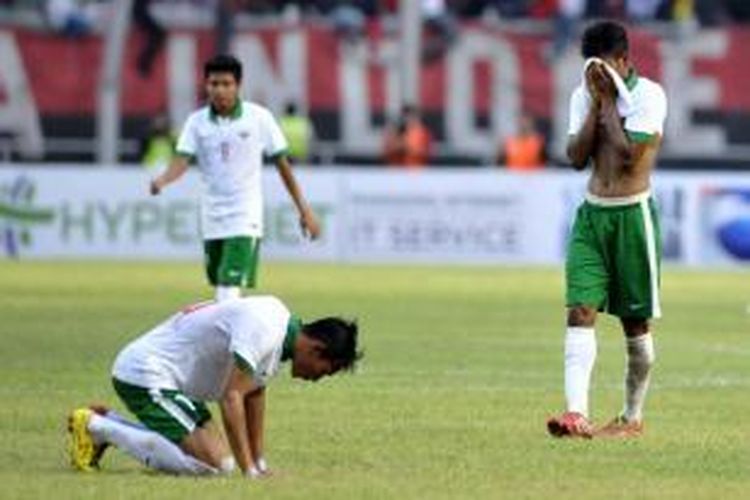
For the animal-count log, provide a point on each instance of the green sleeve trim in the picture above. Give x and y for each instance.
(243, 364)
(278, 154)
(191, 158)
(640, 137)
(293, 329)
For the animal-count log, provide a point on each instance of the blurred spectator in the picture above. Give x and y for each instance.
(69, 17)
(614, 9)
(512, 8)
(228, 10)
(570, 13)
(349, 22)
(642, 10)
(299, 132)
(366, 7)
(349, 18)
(155, 36)
(157, 147)
(433, 10)
(389, 7)
(544, 9)
(440, 28)
(524, 151)
(739, 10)
(709, 12)
(224, 31)
(259, 6)
(408, 141)
(683, 10)
(682, 13)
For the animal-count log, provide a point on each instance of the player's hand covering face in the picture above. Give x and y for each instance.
(599, 83)
(222, 90)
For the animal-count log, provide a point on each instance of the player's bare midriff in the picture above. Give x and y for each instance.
(611, 177)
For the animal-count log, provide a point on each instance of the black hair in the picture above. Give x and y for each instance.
(340, 339)
(604, 38)
(223, 63)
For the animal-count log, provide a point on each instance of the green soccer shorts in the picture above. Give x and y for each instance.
(168, 412)
(232, 261)
(613, 259)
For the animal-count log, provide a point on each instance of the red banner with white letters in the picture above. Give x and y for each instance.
(341, 83)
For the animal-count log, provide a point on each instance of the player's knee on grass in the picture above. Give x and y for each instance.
(634, 327)
(581, 316)
(206, 447)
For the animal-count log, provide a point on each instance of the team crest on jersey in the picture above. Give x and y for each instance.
(244, 134)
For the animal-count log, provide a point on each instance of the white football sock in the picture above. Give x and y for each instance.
(148, 447)
(580, 354)
(113, 415)
(227, 293)
(640, 358)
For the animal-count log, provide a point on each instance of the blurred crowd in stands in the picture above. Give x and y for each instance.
(75, 15)
(708, 12)
(350, 17)
(408, 140)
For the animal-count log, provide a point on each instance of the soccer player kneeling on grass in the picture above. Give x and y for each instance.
(223, 352)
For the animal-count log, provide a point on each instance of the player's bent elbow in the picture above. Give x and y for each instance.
(578, 162)
(578, 158)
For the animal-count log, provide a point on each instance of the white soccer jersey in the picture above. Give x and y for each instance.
(649, 108)
(229, 152)
(194, 350)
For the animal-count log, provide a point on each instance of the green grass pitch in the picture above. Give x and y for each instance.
(462, 367)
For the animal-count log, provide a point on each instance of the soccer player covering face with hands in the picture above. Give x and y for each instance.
(213, 351)
(616, 125)
(228, 139)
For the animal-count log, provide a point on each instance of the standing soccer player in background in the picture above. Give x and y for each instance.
(228, 139)
(616, 120)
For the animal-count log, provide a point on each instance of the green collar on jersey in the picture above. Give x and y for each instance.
(292, 332)
(234, 114)
(632, 80)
